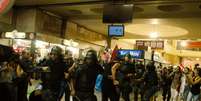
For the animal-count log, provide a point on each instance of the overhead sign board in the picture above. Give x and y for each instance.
(18, 35)
(154, 44)
(138, 54)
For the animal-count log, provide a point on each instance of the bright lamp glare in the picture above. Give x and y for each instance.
(184, 44)
(154, 21)
(153, 35)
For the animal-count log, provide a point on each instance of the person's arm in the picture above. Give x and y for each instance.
(72, 68)
(190, 80)
(19, 71)
(114, 70)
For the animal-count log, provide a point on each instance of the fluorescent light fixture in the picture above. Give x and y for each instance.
(153, 35)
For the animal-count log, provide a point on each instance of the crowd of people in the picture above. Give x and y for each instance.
(61, 74)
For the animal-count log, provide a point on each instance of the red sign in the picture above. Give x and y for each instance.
(189, 45)
(153, 44)
(5, 5)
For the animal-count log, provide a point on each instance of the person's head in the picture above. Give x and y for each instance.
(196, 66)
(127, 58)
(165, 69)
(198, 72)
(91, 57)
(68, 53)
(14, 60)
(150, 67)
(56, 53)
(25, 55)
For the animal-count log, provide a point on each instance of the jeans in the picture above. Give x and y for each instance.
(192, 97)
(174, 94)
(186, 91)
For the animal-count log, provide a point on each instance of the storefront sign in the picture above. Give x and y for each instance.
(70, 43)
(15, 35)
(153, 44)
(189, 45)
(139, 54)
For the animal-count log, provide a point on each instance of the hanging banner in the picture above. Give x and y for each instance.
(5, 5)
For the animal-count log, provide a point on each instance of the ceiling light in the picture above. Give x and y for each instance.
(153, 35)
(154, 21)
(183, 43)
(197, 59)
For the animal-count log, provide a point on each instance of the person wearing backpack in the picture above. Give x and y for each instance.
(85, 77)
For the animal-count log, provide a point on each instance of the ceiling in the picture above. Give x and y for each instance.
(172, 19)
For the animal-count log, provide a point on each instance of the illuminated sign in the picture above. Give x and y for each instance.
(15, 35)
(18, 35)
(139, 54)
(5, 5)
(70, 43)
(153, 44)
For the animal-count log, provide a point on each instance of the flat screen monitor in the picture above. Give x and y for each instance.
(116, 30)
(117, 13)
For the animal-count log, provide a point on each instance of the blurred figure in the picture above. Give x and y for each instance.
(108, 89)
(166, 82)
(151, 82)
(7, 89)
(138, 85)
(68, 58)
(57, 67)
(176, 83)
(124, 72)
(85, 77)
(195, 82)
(9, 72)
(27, 66)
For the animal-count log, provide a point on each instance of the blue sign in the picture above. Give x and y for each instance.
(138, 54)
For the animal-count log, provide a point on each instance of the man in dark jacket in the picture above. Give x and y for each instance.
(85, 77)
(57, 67)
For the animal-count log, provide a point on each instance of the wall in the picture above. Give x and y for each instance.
(121, 44)
(25, 20)
(172, 59)
(77, 32)
(6, 22)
